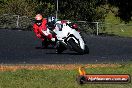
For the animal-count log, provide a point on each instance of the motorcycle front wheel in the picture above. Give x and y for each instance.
(75, 46)
(86, 51)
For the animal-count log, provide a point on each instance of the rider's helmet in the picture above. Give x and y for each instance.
(51, 22)
(38, 19)
(51, 19)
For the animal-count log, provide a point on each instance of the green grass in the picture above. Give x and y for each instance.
(113, 25)
(59, 78)
(124, 30)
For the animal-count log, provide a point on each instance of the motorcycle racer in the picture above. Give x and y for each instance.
(41, 31)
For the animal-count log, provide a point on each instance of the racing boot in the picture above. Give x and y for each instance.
(44, 44)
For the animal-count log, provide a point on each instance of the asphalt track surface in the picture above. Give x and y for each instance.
(19, 47)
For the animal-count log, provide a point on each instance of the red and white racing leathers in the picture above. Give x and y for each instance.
(42, 30)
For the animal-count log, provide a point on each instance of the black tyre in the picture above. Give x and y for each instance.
(75, 46)
(86, 51)
(60, 48)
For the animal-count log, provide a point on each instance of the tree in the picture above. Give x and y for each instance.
(80, 10)
(19, 7)
(124, 8)
(88, 10)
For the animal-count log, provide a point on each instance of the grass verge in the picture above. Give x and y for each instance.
(57, 76)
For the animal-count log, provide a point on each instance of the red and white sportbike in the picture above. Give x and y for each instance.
(68, 37)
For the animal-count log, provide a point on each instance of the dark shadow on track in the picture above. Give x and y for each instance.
(39, 47)
(67, 53)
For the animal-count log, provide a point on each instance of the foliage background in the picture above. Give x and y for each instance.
(112, 15)
(88, 10)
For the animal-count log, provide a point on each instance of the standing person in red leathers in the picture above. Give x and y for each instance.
(41, 30)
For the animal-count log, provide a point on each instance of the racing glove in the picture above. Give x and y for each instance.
(53, 39)
(46, 33)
